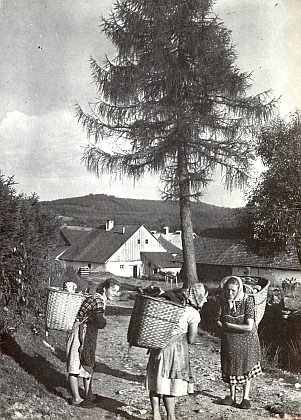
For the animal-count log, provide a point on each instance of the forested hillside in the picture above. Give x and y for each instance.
(94, 209)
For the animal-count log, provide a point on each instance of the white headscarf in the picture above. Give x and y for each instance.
(240, 292)
(195, 294)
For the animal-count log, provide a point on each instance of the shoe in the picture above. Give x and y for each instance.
(97, 399)
(83, 404)
(245, 404)
(229, 401)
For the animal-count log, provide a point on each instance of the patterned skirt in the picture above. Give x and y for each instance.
(240, 357)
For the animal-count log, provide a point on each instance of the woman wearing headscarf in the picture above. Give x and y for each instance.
(240, 349)
(168, 370)
(82, 339)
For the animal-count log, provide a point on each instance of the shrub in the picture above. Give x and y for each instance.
(28, 234)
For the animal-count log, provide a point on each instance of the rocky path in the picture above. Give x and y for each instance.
(41, 391)
(120, 380)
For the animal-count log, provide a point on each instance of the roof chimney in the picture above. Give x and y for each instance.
(123, 230)
(166, 230)
(109, 225)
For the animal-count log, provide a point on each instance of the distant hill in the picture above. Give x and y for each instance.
(94, 209)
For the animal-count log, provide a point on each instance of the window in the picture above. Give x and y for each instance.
(146, 241)
(121, 266)
(138, 241)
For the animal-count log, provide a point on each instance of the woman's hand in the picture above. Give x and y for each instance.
(240, 328)
(99, 321)
(224, 325)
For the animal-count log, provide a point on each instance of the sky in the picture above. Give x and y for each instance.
(45, 48)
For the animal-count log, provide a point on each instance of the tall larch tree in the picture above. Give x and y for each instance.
(172, 102)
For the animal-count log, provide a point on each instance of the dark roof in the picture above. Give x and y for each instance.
(235, 252)
(173, 249)
(161, 259)
(57, 251)
(99, 245)
(74, 234)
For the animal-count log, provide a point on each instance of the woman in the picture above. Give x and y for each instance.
(168, 370)
(240, 349)
(81, 341)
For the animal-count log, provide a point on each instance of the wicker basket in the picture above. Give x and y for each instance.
(62, 308)
(260, 298)
(153, 322)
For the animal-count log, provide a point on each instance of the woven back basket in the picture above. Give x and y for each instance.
(153, 322)
(62, 308)
(260, 298)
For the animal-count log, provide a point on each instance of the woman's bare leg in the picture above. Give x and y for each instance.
(246, 389)
(155, 403)
(88, 388)
(73, 381)
(169, 403)
(233, 392)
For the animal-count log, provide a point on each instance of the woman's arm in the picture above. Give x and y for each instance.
(80, 336)
(192, 332)
(246, 327)
(99, 320)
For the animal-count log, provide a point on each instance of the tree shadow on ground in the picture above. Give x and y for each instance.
(37, 366)
(115, 407)
(60, 354)
(215, 399)
(103, 368)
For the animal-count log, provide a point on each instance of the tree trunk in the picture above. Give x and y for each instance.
(186, 224)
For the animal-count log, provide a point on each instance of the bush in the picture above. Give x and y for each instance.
(28, 234)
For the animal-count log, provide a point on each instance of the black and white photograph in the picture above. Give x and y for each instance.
(150, 209)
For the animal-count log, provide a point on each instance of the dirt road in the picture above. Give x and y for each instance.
(120, 380)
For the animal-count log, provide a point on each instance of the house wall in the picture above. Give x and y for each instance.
(149, 269)
(141, 240)
(275, 276)
(208, 272)
(126, 261)
(147, 266)
(171, 270)
(125, 268)
(77, 264)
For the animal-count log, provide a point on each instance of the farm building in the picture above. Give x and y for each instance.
(73, 234)
(159, 262)
(115, 249)
(174, 238)
(217, 258)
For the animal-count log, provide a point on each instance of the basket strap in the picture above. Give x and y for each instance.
(84, 320)
(173, 339)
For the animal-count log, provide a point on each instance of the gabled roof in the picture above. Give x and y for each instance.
(234, 252)
(99, 245)
(174, 238)
(170, 247)
(161, 259)
(74, 234)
